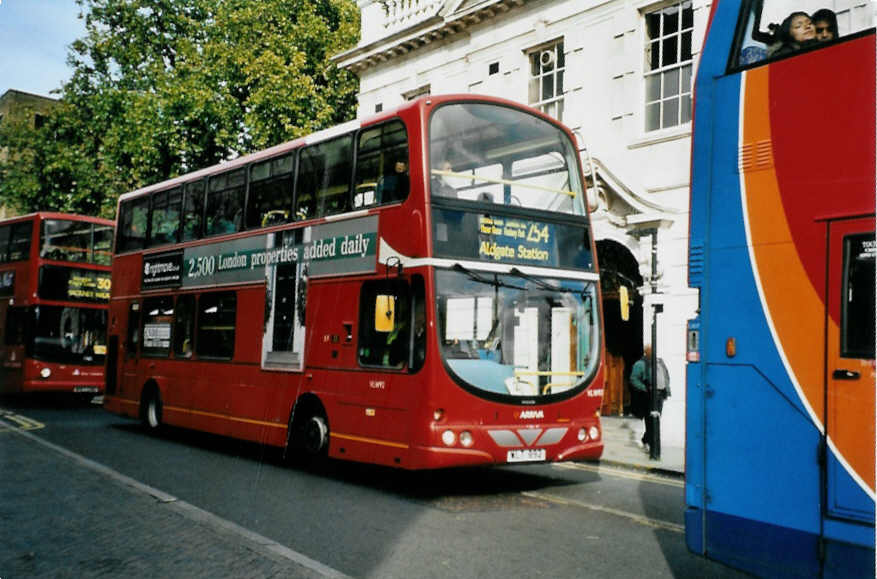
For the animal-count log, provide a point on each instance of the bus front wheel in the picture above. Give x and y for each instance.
(150, 410)
(308, 437)
(316, 435)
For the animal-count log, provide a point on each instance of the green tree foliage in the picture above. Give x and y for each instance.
(162, 87)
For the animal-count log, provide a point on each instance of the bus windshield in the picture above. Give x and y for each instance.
(499, 155)
(68, 334)
(81, 241)
(511, 335)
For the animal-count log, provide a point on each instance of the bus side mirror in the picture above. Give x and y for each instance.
(624, 302)
(385, 313)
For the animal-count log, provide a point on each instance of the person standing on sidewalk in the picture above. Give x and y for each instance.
(641, 390)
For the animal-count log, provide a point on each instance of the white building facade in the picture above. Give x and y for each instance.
(619, 74)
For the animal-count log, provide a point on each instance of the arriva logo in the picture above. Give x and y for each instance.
(531, 414)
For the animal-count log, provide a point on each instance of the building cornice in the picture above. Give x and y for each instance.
(421, 33)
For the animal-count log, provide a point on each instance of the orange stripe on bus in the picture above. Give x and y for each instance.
(368, 440)
(794, 307)
(224, 417)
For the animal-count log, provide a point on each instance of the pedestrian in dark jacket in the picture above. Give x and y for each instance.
(642, 386)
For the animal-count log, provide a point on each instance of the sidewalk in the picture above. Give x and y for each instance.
(66, 516)
(621, 448)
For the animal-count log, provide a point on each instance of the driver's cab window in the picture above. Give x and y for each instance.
(385, 323)
(771, 29)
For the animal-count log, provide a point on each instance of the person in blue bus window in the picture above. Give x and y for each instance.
(825, 25)
(796, 32)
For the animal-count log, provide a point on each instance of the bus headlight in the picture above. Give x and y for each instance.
(45, 372)
(594, 433)
(583, 434)
(466, 438)
(449, 438)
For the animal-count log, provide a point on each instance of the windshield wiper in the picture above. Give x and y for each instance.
(477, 278)
(545, 286)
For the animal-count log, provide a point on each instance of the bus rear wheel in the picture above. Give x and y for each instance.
(150, 410)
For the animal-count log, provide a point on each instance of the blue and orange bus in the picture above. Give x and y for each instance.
(781, 380)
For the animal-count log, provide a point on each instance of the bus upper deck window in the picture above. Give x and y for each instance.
(165, 217)
(133, 221)
(193, 210)
(323, 185)
(225, 203)
(4, 242)
(772, 29)
(382, 165)
(19, 240)
(102, 244)
(269, 200)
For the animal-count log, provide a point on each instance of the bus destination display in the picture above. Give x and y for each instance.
(507, 239)
(74, 284)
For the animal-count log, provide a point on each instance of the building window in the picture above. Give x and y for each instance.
(668, 64)
(493, 68)
(547, 65)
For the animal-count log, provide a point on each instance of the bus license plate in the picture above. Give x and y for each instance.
(526, 455)
(86, 389)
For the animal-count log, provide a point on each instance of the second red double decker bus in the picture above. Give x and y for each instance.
(418, 290)
(54, 291)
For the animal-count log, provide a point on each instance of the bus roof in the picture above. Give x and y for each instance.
(325, 135)
(58, 215)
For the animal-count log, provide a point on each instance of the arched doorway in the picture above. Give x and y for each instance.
(624, 339)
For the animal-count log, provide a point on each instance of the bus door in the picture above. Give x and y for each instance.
(390, 313)
(130, 353)
(850, 377)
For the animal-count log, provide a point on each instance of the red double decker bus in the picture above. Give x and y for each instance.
(54, 292)
(418, 290)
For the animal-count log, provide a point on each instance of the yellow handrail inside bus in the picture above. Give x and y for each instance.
(546, 373)
(547, 387)
(471, 177)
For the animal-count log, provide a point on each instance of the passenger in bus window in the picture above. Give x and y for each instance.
(393, 186)
(439, 183)
(795, 33)
(825, 25)
(224, 221)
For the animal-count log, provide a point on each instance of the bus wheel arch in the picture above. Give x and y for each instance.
(308, 432)
(151, 406)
